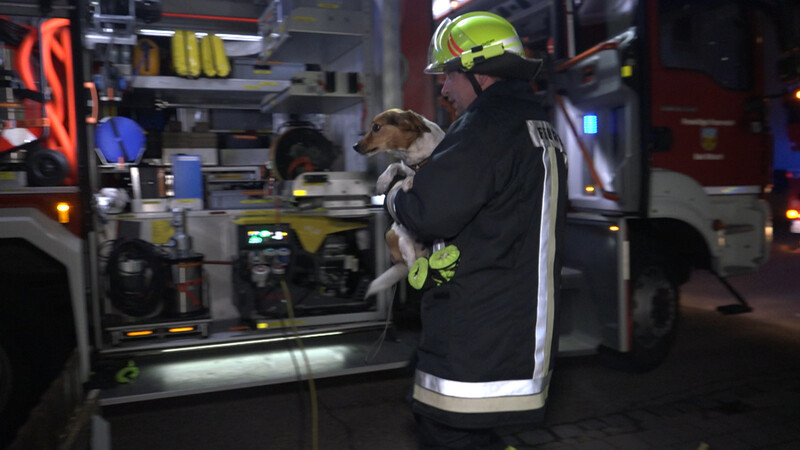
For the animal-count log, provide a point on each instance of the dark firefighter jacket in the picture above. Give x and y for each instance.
(495, 187)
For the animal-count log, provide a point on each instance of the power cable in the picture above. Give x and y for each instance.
(311, 385)
(376, 346)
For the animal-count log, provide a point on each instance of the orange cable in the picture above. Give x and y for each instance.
(50, 73)
(208, 17)
(59, 107)
(22, 63)
(72, 109)
(54, 107)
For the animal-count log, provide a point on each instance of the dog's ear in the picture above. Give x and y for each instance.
(393, 116)
(414, 121)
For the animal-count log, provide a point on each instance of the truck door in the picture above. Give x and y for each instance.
(598, 109)
(704, 102)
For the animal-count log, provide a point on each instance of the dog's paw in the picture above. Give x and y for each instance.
(385, 179)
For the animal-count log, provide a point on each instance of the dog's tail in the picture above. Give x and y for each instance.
(387, 279)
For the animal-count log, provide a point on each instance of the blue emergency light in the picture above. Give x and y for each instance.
(590, 124)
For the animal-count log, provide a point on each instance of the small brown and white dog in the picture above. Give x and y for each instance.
(411, 138)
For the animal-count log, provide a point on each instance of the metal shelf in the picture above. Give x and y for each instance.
(290, 101)
(39, 190)
(310, 35)
(234, 93)
(265, 361)
(311, 47)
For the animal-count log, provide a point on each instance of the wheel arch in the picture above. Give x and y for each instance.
(34, 227)
(677, 200)
(677, 242)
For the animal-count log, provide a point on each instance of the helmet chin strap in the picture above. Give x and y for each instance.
(477, 87)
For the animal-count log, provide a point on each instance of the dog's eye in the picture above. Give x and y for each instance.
(376, 127)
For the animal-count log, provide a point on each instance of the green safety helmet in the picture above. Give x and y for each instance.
(480, 42)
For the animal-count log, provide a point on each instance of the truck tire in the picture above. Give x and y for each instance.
(6, 379)
(47, 167)
(654, 312)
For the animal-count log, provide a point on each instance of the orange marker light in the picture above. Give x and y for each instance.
(792, 214)
(139, 333)
(181, 329)
(613, 228)
(63, 212)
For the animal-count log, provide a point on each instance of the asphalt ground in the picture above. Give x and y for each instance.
(730, 382)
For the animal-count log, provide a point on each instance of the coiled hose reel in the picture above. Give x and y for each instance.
(301, 148)
(135, 270)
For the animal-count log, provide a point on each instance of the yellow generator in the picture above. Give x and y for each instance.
(317, 265)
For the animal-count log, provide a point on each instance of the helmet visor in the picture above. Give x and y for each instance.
(437, 50)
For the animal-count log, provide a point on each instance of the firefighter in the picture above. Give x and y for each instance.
(495, 192)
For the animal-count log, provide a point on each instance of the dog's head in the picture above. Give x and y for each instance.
(393, 131)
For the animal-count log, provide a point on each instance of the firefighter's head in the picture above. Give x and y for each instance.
(474, 50)
(481, 43)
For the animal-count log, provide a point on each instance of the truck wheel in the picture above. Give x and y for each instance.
(654, 310)
(47, 167)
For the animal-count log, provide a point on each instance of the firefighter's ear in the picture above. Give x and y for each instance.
(484, 80)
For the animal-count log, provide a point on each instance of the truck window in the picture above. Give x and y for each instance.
(708, 37)
(600, 20)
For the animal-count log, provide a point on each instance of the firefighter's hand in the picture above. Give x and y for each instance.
(388, 201)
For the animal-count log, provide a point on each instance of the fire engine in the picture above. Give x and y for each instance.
(158, 203)
(787, 159)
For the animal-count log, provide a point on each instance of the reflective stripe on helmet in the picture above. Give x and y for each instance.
(455, 50)
(510, 42)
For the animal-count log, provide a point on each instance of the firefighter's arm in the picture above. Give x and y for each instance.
(446, 194)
